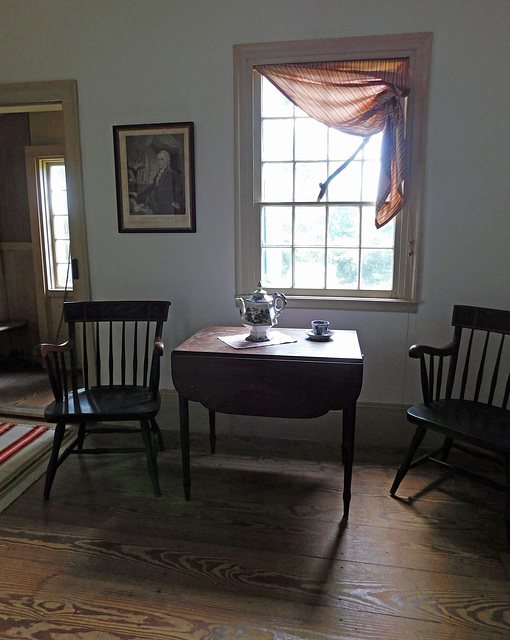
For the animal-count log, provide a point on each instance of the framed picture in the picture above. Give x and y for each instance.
(155, 175)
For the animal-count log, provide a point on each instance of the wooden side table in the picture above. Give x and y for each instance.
(302, 379)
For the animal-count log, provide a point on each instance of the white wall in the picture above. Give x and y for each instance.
(151, 61)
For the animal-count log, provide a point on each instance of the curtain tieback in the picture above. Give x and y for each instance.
(324, 185)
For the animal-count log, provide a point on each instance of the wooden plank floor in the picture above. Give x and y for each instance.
(256, 554)
(25, 392)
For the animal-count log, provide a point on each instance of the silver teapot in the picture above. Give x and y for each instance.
(259, 312)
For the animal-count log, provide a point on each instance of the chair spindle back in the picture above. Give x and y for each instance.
(479, 367)
(113, 343)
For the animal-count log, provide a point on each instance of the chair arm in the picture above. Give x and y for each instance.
(154, 373)
(47, 348)
(419, 350)
(159, 346)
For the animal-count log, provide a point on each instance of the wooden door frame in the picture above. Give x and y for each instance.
(44, 307)
(64, 92)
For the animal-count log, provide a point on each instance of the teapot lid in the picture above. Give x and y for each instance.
(259, 295)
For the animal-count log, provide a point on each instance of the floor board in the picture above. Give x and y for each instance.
(257, 553)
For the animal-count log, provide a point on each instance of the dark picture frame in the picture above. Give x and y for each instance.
(155, 176)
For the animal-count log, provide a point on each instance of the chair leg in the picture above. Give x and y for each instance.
(151, 455)
(157, 432)
(53, 462)
(507, 505)
(81, 435)
(447, 447)
(418, 436)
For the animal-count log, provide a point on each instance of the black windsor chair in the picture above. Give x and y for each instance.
(469, 403)
(107, 371)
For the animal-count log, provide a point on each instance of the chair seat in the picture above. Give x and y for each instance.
(105, 403)
(476, 423)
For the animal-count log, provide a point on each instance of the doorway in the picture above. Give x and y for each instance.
(16, 254)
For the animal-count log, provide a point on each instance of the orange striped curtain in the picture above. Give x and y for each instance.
(360, 97)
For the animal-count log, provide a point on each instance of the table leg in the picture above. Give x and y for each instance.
(184, 424)
(349, 421)
(212, 430)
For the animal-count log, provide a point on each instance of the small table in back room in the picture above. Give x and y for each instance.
(302, 379)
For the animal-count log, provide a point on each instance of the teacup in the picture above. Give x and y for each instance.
(320, 327)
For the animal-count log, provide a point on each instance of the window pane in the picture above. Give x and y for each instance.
(376, 269)
(299, 113)
(277, 139)
(310, 226)
(342, 145)
(311, 140)
(276, 225)
(61, 228)
(58, 177)
(63, 275)
(309, 175)
(309, 268)
(371, 170)
(343, 226)
(274, 103)
(373, 237)
(59, 203)
(372, 150)
(62, 251)
(277, 182)
(342, 269)
(276, 267)
(346, 186)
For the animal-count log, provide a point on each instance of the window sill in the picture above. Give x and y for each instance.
(353, 304)
(58, 293)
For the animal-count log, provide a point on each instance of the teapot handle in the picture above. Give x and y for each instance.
(241, 305)
(280, 301)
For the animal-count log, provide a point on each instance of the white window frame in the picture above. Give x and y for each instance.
(47, 223)
(417, 48)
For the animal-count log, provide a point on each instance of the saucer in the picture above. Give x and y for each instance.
(319, 338)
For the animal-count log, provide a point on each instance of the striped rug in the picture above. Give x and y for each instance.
(24, 450)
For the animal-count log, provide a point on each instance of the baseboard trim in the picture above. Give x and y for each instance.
(377, 425)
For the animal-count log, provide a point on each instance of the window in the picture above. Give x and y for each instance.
(54, 223)
(328, 246)
(327, 252)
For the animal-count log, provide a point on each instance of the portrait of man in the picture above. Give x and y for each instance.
(155, 170)
(155, 176)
